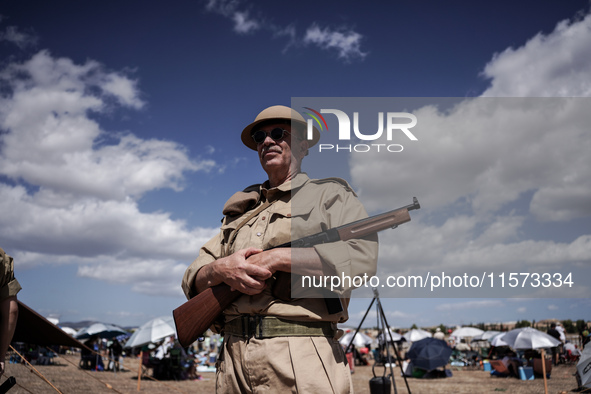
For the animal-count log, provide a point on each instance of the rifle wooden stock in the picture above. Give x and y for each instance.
(195, 316)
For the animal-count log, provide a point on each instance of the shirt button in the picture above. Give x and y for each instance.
(263, 218)
(259, 234)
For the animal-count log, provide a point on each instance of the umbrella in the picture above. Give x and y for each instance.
(102, 330)
(416, 335)
(584, 368)
(463, 332)
(152, 331)
(69, 330)
(497, 340)
(390, 336)
(529, 338)
(429, 353)
(360, 340)
(485, 336)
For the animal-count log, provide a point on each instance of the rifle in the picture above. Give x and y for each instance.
(195, 316)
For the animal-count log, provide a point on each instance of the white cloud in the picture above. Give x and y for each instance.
(123, 89)
(475, 304)
(557, 64)
(393, 316)
(51, 141)
(346, 42)
(21, 39)
(73, 190)
(243, 23)
(479, 161)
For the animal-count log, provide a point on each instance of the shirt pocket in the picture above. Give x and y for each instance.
(279, 226)
(307, 220)
(239, 240)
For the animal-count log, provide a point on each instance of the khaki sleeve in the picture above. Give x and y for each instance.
(208, 253)
(355, 257)
(9, 286)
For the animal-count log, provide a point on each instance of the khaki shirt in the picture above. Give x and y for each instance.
(9, 286)
(299, 207)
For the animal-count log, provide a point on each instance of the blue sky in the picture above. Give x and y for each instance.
(120, 143)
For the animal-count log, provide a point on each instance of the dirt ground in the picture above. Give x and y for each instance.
(68, 378)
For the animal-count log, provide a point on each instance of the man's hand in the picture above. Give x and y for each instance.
(1, 368)
(273, 260)
(301, 261)
(236, 271)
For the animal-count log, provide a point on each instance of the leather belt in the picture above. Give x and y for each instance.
(258, 326)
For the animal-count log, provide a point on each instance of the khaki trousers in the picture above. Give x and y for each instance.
(282, 365)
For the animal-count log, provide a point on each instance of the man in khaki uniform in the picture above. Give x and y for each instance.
(9, 287)
(270, 344)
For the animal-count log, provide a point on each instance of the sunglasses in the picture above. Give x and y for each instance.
(277, 134)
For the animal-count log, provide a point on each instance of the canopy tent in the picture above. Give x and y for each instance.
(360, 340)
(33, 328)
(416, 334)
(101, 330)
(485, 336)
(69, 330)
(464, 332)
(391, 335)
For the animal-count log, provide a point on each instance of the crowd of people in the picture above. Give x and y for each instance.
(165, 359)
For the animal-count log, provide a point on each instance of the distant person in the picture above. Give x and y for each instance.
(553, 332)
(9, 287)
(512, 363)
(560, 330)
(115, 351)
(584, 338)
(164, 348)
(438, 334)
(88, 357)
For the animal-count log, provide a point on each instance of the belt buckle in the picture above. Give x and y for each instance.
(249, 326)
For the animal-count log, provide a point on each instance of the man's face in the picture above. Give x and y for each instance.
(278, 155)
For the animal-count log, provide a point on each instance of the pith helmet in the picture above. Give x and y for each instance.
(277, 112)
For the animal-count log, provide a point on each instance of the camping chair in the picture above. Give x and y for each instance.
(484, 351)
(571, 358)
(147, 364)
(500, 368)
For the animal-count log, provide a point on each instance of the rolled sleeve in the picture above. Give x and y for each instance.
(337, 206)
(210, 252)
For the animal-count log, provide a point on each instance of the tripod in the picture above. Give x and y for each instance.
(383, 327)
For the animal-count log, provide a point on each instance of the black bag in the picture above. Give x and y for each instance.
(380, 384)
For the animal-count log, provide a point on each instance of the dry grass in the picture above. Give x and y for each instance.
(68, 378)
